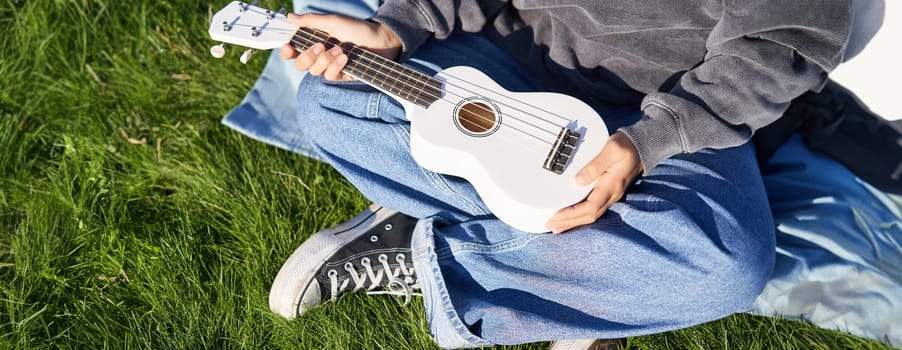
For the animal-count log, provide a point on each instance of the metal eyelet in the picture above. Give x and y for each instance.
(374, 238)
(365, 261)
(332, 273)
(383, 258)
(388, 227)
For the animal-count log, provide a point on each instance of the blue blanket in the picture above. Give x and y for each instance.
(839, 240)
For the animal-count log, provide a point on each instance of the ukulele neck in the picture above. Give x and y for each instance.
(374, 70)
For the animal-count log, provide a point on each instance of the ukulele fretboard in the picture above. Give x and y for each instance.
(375, 70)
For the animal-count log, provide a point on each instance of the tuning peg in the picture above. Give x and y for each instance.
(218, 51)
(246, 56)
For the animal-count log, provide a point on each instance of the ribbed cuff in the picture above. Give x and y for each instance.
(407, 21)
(656, 136)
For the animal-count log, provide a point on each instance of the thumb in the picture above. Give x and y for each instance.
(310, 20)
(328, 23)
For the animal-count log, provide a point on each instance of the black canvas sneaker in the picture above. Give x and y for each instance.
(370, 252)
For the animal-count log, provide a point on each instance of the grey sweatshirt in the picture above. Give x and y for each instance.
(708, 73)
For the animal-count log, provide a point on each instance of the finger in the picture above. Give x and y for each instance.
(324, 60)
(578, 214)
(308, 57)
(608, 191)
(565, 226)
(572, 212)
(597, 197)
(593, 169)
(333, 72)
(288, 52)
(584, 213)
(605, 193)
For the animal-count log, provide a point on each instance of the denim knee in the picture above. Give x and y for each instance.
(320, 102)
(315, 96)
(744, 280)
(742, 272)
(721, 243)
(309, 109)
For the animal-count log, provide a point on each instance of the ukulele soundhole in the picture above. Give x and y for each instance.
(477, 117)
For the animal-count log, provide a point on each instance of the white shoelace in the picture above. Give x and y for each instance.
(400, 280)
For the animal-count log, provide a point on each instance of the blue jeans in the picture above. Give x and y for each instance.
(692, 241)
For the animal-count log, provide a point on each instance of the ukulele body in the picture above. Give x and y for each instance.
(499, 140)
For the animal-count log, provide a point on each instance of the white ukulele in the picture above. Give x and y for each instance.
(520, 151)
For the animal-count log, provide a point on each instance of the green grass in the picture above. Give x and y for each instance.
(132, 219)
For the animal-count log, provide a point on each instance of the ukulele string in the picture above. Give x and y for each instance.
(324, 37)
(379, 65)
(540, 152)
(509, 98)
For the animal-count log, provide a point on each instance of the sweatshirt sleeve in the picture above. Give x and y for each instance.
(415, 21)
(760, 56)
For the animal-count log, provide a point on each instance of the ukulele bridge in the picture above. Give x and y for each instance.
(561, 151)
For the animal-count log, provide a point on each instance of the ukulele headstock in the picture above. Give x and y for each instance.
(250, 26)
